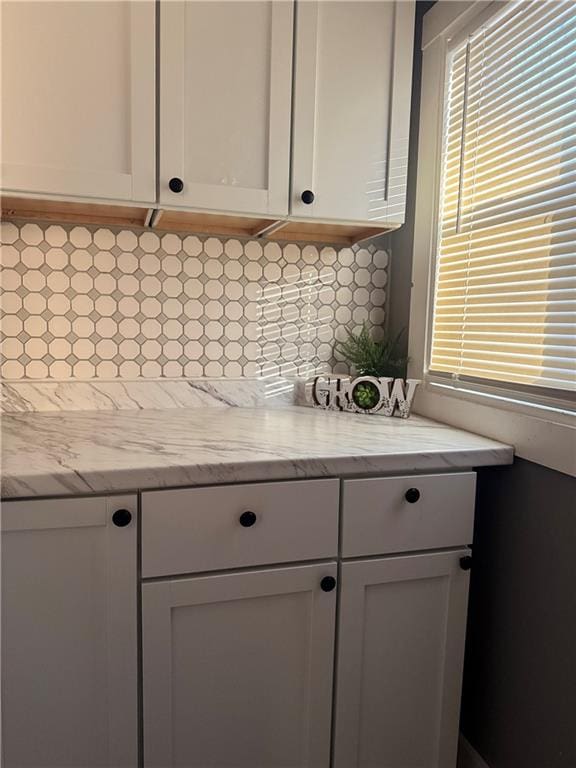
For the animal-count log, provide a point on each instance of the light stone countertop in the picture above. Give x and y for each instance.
(67, 453)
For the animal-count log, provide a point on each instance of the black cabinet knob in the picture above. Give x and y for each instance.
(176, 184)
(328, 583)
(122, 518)
(412, 495)
(307, 197)
(247, 519)
(466, 562)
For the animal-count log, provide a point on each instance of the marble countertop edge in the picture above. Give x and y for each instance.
(79, 454)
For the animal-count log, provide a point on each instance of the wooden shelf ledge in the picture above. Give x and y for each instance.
(194, 222)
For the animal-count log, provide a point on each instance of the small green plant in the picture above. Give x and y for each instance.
(365, 395)
(372, 358)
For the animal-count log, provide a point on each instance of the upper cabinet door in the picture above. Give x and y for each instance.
(225, 100)
(78, 99)
(352, 109)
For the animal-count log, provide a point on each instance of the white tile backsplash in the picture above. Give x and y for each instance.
(82, 303)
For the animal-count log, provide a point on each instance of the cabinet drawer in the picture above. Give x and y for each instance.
(200, 529)
(401, 514)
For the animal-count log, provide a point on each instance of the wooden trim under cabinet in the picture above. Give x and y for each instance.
(196, 222)
(335, 233)
(74, 212)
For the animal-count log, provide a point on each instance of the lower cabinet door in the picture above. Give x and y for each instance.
(69, 633)
(400, 657)
(238, 669)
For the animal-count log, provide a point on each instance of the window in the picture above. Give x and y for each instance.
(505, 283)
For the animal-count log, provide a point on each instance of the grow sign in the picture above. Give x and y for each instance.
(365, 394)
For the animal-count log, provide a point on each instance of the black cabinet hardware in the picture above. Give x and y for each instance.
(122, 518)
(176, 185)
(247, 519)
(328, 583)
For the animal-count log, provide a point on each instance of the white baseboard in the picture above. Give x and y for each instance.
(467, 755)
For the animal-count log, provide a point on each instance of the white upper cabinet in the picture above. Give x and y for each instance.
(272, 108)
(225, 101)
(78, 99)
(353, 74)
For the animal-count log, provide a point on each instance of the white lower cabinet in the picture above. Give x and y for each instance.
(69, 633)
(399, 670)
(237, 665)
(238, 669)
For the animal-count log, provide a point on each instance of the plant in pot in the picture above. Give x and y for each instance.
(371, 358)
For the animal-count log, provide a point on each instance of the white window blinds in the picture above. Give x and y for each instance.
(505, 290)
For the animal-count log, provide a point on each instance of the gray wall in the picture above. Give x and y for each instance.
(400, 243)
(519, 701)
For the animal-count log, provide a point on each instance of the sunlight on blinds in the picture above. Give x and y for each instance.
(505, 291)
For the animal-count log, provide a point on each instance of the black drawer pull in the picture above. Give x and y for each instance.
(412, 495)
(466, 562)
(247, 519)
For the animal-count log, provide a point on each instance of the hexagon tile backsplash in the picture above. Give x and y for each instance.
(84, 303)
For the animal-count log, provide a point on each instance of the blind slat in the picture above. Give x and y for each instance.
(455, 279)
(532, 75)
(560, 168)
(504, 75)
(516, 339)
(548, 28)
(564, 352)
(518, 25)
(545, 201)
(486, 240)
(460, 262)
(513, 169)
(542, 128)
(519, 364)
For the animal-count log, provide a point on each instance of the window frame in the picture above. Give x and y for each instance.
(505, 411)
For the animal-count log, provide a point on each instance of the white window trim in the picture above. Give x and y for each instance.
(545, 434)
